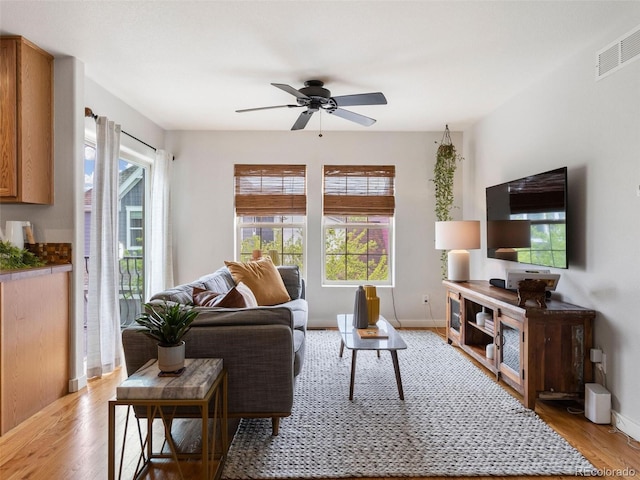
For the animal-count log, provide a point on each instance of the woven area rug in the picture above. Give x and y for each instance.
(454, 421)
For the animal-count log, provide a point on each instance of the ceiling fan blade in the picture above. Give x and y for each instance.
(302, 120)
(290, 89)
(354, 117)
(376, 98)
(267, 108)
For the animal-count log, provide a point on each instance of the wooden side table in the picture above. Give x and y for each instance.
(160, 396)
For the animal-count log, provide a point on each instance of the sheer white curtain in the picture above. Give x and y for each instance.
(160, 258)
(104, 341)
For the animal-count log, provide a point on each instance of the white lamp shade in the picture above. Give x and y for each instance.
(458, 235)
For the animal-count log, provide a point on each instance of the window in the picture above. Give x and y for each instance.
(271, 208)
(358, 210)
(133, 177)
(135, 227)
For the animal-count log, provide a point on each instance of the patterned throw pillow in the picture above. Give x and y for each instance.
(249, 297)
(206, 298)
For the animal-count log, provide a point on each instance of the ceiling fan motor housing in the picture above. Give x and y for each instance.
(315, 90)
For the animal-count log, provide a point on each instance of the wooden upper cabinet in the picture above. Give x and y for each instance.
(26, 122)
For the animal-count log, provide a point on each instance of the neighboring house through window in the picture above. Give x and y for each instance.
(358, 220)
(271, 209)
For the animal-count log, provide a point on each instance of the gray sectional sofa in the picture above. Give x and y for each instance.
(262, 347)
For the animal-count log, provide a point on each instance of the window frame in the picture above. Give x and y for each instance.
(240, 225)
(328, 224)
(286, 197)
(129, 210)
(351, 191)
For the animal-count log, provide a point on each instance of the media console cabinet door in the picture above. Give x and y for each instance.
(454, 317)
(566, 342)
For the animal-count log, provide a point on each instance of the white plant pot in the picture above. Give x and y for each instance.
(171, 359)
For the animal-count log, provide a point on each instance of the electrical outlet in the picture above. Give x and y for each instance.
(604, 363)
(425, 299)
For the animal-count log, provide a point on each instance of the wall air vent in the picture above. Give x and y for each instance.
(618, 54)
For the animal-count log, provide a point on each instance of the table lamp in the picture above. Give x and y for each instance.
(457, 237)
(507, 235)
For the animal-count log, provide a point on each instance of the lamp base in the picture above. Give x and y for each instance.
(458, 265)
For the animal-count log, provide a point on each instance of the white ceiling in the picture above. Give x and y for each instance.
(188, 65)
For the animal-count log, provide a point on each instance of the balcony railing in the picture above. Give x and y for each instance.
(131, 288)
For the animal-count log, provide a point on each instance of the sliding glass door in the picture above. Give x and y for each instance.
(133, 188)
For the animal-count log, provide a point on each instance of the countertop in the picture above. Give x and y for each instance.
(22, 273)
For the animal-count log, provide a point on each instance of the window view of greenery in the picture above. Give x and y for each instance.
(548, 240)
(281, 237)
(357, 250)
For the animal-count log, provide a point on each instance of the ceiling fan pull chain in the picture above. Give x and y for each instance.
(320, 135)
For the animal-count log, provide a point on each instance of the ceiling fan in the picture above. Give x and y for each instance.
(317, 98)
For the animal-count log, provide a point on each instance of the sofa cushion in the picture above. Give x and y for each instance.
(218, 281)
(263, 278)
(291, 278)
(180, 294)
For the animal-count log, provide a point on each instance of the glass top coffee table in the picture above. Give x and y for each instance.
(352, 340)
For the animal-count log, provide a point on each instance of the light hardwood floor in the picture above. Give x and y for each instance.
(68, 440)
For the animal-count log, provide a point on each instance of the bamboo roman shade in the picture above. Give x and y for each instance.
(359, 190)
(266, 190)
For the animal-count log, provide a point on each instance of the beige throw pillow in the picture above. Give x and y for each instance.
(262, 278)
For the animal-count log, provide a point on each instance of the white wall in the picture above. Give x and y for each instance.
(104, 103)
(593, 127)
(204, 218)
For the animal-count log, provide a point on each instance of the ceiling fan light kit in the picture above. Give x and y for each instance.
(316, 98)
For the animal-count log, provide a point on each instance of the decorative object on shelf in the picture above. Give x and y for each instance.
(360, 312)
(482, 317)
(168, 323)
(507, 235)
(256, 254)
(373, 333)
(457, 237)
(14, 232)
(51, 253)
(443, 174)
(490, 351)
(532, 290)
(373, 304)
(14, 258)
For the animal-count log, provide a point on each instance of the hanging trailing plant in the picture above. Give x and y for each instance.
(443, 174)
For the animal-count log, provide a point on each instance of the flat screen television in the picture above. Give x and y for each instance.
(527, 220)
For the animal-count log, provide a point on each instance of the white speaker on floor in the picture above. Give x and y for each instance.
(597, 403)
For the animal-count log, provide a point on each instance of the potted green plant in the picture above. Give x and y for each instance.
(12, 257)
(168, 323)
